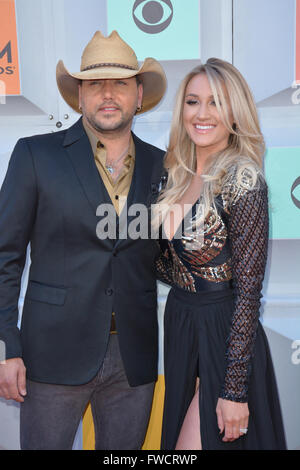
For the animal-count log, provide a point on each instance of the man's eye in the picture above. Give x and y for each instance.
(121, 82)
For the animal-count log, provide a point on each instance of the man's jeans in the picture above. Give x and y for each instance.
(50, 414)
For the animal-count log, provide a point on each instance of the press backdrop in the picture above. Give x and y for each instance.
(261, 38)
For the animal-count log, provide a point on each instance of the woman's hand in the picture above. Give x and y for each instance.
(232, 417)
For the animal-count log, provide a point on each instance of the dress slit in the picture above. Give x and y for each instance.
(196, 331)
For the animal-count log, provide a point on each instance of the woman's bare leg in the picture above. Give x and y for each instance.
(189, 437)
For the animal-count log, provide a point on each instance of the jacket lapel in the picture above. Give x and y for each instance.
(140, 188)
(79, 151)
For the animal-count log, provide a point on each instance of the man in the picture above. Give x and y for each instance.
(89, 324)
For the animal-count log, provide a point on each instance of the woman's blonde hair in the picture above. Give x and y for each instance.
(245, 148)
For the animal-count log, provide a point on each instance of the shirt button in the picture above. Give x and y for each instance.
(109, 292)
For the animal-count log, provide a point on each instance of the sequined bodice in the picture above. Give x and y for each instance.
(198, 263)
(232, 253)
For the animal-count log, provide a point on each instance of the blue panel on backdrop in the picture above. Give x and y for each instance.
(282, 166)
(164, 29)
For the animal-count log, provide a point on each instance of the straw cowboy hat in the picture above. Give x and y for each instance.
(110, 57)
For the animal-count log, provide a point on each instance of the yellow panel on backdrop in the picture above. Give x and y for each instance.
(152, 440)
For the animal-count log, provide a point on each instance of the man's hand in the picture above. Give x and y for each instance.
(13, 379)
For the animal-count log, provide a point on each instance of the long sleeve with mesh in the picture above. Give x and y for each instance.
(164, 265)
(248, 234)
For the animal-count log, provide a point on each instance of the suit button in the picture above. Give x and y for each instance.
(109, 292)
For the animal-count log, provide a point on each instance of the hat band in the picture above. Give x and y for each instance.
(107, 64)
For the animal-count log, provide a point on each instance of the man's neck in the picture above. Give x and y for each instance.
(115, 142)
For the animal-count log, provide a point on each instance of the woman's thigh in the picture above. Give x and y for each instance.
(189, 437)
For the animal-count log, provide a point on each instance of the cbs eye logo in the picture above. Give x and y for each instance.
(294, 186)
(152, 16)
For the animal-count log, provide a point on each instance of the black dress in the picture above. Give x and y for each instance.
(211, 324)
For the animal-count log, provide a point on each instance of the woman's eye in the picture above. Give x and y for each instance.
(191, 102)
(214, 103)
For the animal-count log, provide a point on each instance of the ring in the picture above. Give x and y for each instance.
(244, 430)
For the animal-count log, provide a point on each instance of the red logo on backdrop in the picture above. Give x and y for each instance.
(9, 63)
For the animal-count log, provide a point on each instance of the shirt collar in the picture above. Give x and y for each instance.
(94, 141)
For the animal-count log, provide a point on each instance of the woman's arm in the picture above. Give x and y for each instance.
(248, 235)
(164, 266)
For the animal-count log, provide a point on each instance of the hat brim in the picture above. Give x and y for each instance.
(151, 74)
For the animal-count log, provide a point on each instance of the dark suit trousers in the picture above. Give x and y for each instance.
(50, 414)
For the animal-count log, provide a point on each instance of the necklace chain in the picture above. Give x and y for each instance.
(112, 166)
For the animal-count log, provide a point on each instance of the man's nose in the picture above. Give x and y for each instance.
(108, 89)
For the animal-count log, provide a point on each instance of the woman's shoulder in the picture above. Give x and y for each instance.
(241, 179)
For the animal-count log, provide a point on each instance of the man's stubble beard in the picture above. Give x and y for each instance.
(122, 124)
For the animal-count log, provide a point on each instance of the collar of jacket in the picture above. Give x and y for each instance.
(146, 172)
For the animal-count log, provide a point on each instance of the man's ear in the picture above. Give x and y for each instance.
(140, 94)
(79, 94)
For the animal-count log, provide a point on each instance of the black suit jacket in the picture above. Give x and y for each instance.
(49, 198)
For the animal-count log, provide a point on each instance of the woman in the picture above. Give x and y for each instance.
(213, 219)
